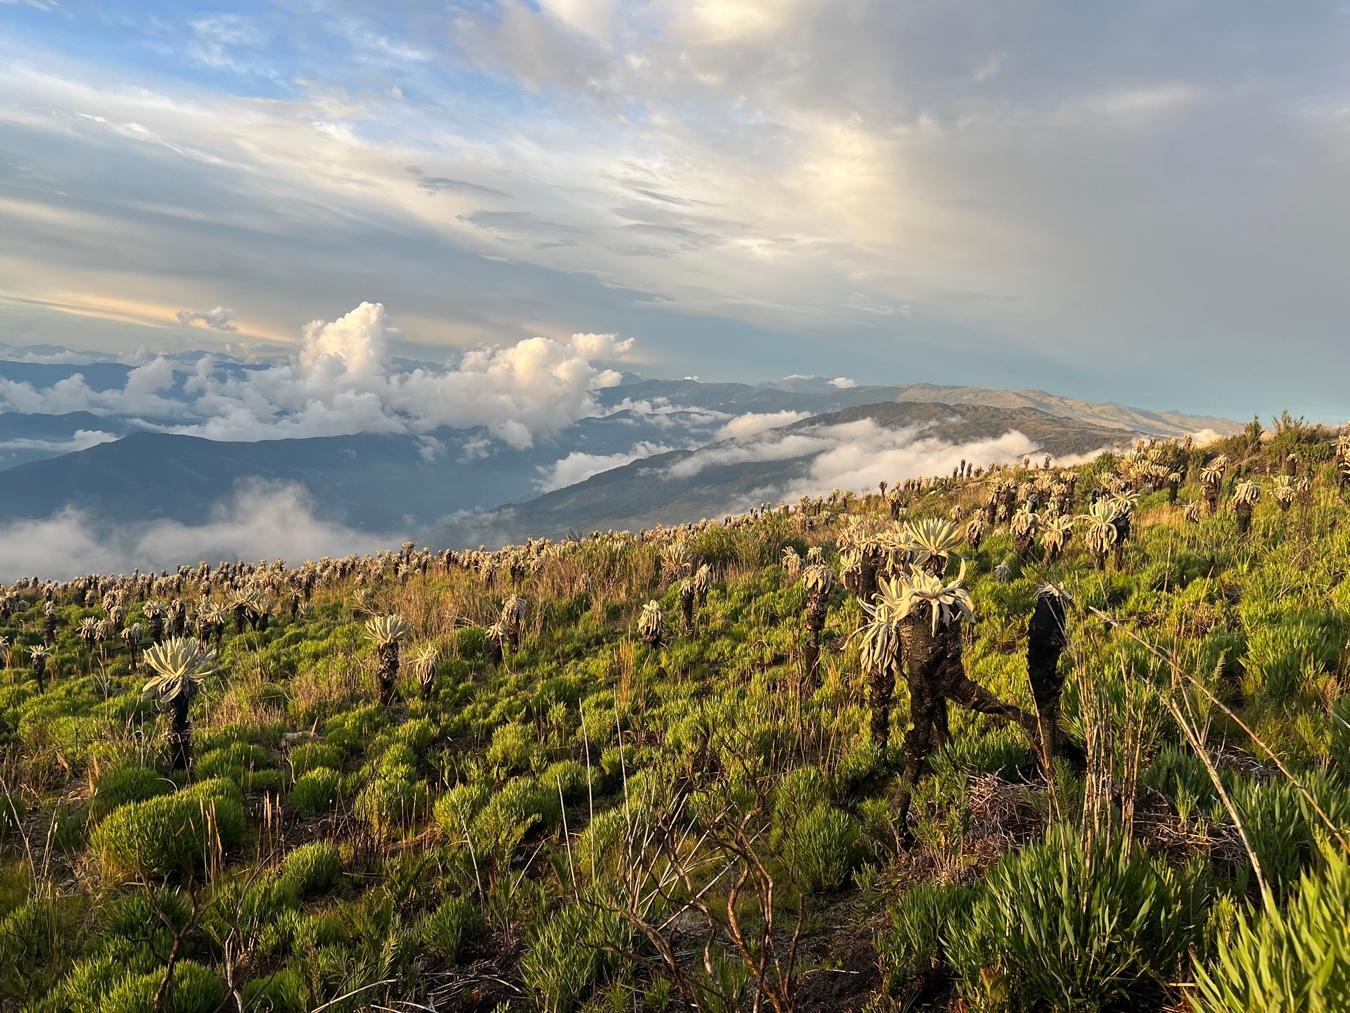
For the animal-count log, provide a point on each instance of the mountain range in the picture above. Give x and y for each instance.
(651, 450)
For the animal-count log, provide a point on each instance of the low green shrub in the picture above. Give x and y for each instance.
(310, 869)
(192, 989)
(573, 951)
(911, 944)
(455, 810)
(169, 834)
(445, 930)
(311, 755)
(125, 784)
(282, 991)
(392, 803)
(316, 792)
(1291, 958)
(247, 765)
(1067, 925)
(822, 848)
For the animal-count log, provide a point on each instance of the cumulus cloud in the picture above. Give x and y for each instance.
(577, 466)
(843, 382)
(754, 423)
(259, 521)
(342, 381)
(218, 319)
(141, 394)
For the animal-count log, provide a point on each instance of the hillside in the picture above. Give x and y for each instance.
(686, 485)
(672, 770)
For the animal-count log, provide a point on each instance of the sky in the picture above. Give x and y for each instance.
(1142, 202)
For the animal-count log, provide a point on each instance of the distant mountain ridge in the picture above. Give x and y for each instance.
(654, 491)
(738, 397)
(122, 468)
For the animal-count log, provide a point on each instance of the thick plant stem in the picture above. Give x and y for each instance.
(180, 734)
(1045, 643)
(388, 674)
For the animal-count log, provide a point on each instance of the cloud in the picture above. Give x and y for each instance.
(218, 319)
(969, 195)
(259, 521)
(1206, 437)
(843, 382)
(577, 466)
(356, 344)
(852, 456)
(342, 381)
(83, 439)
(754, 423)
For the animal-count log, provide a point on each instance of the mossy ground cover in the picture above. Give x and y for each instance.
(599, 823)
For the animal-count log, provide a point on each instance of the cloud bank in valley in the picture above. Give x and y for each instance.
(260, 520)
(343, 380)
(852, 456)
(578, 466)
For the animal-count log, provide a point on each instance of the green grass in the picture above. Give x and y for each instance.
(595, 824)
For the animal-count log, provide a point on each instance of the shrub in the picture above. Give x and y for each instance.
(316, 792)
(311, 755)
(135, 922)
(822, 848)
(354, 729)
(310, 869)
(455, 810)
(283, 991)
(169, 834)
(392, 803)
(122, 785)
(446, 929)
(193, 989)
(247, 765)
(33, 938)
(1297, 958)
(1066, 926)
(512, 749)
(417, 735)
(911, 945)
(576, 948)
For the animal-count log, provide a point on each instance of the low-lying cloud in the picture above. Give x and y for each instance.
(577, 466)
(852, 456)
(82, 439)
(343, 381)
(754, 423)
(261, 520)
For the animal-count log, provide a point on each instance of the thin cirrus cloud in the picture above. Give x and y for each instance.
(990, 195)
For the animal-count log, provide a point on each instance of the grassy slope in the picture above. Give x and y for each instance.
(482, 846)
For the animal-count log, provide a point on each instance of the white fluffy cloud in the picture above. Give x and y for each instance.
(754, 423)
(341, 381)
(83, 439)
(218, 319)
(577, 466)
(853, 456)
(260, 521)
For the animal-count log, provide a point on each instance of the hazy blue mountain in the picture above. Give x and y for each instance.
(370, 482)
(25, 437)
